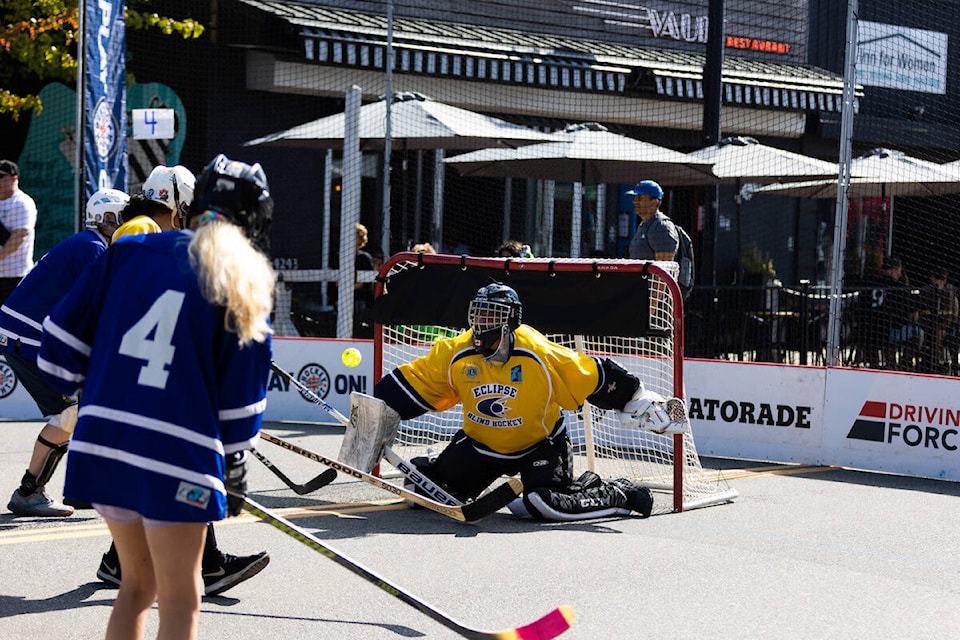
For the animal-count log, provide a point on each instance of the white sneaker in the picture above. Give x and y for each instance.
(38, 504)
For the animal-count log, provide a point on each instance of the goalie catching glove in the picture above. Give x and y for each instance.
(645, 410)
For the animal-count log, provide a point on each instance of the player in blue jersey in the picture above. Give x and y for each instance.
(162, 205)
(168, 336)
(514, 385)
(20, 330)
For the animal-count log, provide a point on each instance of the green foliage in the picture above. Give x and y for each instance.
(754, 261)
(38, 44)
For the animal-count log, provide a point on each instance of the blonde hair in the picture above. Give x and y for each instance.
(361, 235)
(424, 247)
(236, 276)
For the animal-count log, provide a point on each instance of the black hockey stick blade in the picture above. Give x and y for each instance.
(321, 480)
(492, 501)
(547, 627)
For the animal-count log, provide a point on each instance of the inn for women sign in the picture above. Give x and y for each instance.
(896, 57)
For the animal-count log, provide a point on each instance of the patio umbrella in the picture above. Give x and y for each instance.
(416, 123)
(588, 154)
(742, 160)
(952, 167)
(884, 173)
(880, 173)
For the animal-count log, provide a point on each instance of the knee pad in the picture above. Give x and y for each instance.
(66, 420)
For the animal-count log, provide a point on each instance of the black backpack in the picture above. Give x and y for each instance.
(684, 258)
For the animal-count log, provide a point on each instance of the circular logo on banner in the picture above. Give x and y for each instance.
(315, 378)
(104, 129)
(8, 379)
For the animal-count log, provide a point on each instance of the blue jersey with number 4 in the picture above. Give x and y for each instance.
(167, 390)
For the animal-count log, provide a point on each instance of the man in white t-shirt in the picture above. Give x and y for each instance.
(18, 215)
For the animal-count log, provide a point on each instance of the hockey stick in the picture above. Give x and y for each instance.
(407, 468)
(308, 393)
(321, 480)
(479, 508)
(549, 626)
(410, 471)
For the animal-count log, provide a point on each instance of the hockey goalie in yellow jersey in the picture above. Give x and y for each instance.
(515, 385)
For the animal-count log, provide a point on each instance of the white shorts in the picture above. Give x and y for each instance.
(127, 516)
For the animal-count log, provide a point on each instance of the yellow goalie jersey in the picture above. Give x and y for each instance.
(136, 226)
(507, 407)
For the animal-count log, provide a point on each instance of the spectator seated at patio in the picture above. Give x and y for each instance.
(939, 311)
(888, 333)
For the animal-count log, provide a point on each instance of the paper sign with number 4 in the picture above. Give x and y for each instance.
(153, 124)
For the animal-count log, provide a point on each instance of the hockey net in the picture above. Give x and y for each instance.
(629, 311)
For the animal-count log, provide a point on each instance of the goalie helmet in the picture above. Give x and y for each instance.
(103, 210)
(493, 313)
(173, 188)
(238, 191)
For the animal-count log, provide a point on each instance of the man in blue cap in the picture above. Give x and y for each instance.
(656, 237)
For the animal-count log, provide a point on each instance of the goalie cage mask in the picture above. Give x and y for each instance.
(496, 307)
(240, 192)
(104, 210)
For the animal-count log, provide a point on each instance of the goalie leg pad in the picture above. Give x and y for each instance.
(373, 425)
(615, 498)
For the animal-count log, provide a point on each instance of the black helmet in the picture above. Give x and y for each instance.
(495, 307)
(240, 192)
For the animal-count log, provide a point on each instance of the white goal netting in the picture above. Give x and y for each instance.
(621, 309)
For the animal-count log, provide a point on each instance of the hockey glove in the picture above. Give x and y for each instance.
(645, 411)
(235, 481)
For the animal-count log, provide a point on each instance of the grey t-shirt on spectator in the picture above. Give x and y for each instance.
(653, 236)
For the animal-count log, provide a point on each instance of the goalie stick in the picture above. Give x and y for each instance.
(547, 627)
(407, 468)
(321, 480)
(470, 512)
(411, 473)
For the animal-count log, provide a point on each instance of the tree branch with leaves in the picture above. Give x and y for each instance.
(38, 44)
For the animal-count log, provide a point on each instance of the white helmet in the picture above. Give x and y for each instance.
(171, 187)
(104, 208)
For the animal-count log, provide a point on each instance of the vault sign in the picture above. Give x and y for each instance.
(900, 58)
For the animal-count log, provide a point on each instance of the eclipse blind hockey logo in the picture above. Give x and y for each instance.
(492, 406)
(914, 425)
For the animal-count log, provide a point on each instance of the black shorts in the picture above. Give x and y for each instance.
(465, 468)
(48, 400)
(7, 285)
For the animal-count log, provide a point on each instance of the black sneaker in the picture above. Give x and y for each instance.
(77, 504)
(109, 569)
(639, 498)
(231, 571)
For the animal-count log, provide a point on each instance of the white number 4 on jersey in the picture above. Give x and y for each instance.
(159, 320)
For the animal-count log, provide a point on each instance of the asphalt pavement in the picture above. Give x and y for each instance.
(804, 552)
